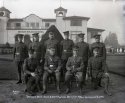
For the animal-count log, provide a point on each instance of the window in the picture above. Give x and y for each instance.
(76, 22)
(8, 24)
(37, 25)
(18, 24)
(27, 25)
(47, 24)
(32, 25)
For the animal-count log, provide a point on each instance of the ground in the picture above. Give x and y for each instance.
(10, 92)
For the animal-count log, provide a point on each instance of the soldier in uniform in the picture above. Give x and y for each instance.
(97, 43)
(52, 67)
(98, 70)
(102, 49)
(51, 41)
(66, 49)
(31, 73)
(74, 68)
(38, 47)
(84, 52)
(20, 53)
(39, 51)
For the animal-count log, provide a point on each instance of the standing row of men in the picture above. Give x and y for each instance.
(73, 62)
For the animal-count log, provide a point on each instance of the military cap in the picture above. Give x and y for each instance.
(66, 32)
(35, 34)
(20, 35)
(75, 48)
(97, 36)
(96, 48)
(31, 51)
(81, 35)
(51, 33)
(51, 47)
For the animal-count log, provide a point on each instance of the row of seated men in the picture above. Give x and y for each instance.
(72, 63)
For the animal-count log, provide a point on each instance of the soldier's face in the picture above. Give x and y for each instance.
(97, 39)
(20, 39)
(96, 52)
(81, 39)
(66, 37)
(31, 55)
(75, 52)
(36, 38)
(52, 52)
(51, 36)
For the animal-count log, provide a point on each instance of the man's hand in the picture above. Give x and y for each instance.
(57, 70)
(50, 71)
(107, 74)
(41, 60)
(33, 74)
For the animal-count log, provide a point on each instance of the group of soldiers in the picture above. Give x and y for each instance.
(63, 61)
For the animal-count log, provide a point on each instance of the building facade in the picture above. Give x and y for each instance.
(32, 23)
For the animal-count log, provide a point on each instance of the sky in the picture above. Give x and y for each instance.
(104, 14)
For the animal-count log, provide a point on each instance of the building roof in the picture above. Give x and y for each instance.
(15, 20)
(49, 20)
(4, 9)
(95, 29)
(76, 17)
(61, 9)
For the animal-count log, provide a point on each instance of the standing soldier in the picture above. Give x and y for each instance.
(102, 49)
(52, 67)
(38, 48)
(74, 68)
(98, 70)
(20, 53)
(84, 52)
(51, 41)
(39, 51)
(66, 49)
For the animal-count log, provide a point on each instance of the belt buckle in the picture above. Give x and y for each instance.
(51, 66)
(65, 50)
(17, 53)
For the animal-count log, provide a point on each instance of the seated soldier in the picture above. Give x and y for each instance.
(74, 68)
(30, 72)
(52, 67)
(97, 68)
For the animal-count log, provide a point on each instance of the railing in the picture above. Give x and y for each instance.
(6, 50)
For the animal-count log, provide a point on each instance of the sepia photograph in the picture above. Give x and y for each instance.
(62, 51)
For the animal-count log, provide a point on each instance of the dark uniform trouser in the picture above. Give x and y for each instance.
(45, 77)
(69, 75)
(84, 71)
(64, 61)
(103, 78)
(31, 83)
(20, 69)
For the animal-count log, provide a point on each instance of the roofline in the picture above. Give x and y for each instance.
(32, 14)
(76, 17)
(88, 28)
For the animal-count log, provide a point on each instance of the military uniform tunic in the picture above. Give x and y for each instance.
(39, 49)
(20, 51)
(54, 43)
(97, 66)
(66, 49)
